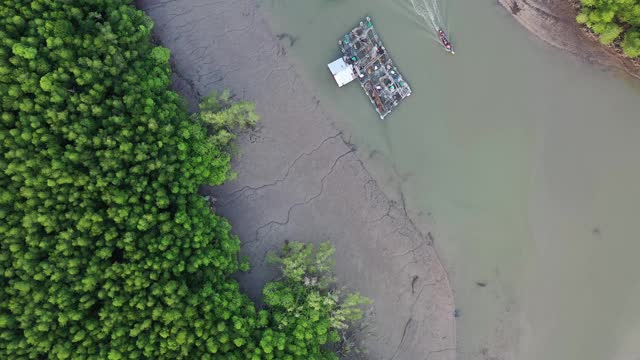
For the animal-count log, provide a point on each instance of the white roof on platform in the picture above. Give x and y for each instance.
(342, 72)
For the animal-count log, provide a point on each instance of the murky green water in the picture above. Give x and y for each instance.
(525, 161)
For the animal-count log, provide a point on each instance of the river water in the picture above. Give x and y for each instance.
(523, 159)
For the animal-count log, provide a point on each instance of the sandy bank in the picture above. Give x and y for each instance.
(299, 179)
(554, 22)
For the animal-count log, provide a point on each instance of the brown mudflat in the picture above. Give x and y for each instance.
(298, 179)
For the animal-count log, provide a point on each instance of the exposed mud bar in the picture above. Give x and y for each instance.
(554, 22)
(300, 179)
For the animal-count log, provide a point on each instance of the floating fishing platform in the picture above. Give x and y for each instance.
(366, 59)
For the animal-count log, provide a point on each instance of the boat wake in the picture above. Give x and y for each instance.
(434, 16)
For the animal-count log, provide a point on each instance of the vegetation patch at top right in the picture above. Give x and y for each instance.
(613, 21)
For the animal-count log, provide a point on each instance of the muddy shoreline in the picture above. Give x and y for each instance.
(300, 179)
(553, 21)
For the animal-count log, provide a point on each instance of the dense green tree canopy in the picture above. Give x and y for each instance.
(106, 249)
(611, 19)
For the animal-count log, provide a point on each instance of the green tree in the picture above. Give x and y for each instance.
(612, 18)
(223, 118)
(308, 312)
(107, 250)
(631, 43)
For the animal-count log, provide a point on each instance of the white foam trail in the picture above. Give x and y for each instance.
(429, 10)
(436, 13)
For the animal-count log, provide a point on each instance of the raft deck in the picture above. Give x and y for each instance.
(373, 67)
